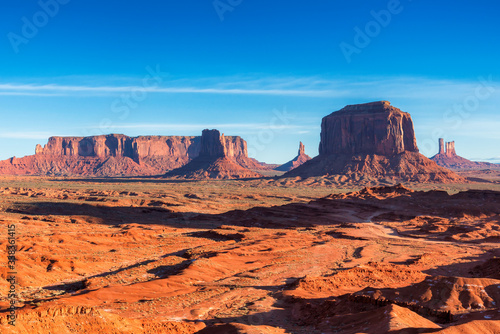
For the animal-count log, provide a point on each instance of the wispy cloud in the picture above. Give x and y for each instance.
(53, 89)
(351, 87)
(199, 127)
(25, 135)
(493, 160)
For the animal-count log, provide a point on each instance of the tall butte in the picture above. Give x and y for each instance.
(215, 161)
(301, 158)
(372, 141)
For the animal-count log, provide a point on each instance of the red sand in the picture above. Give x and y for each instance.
(165, 256)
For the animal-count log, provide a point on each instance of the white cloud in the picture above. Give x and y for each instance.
(367, 88)
(50, 90)
(227, 126)
(25, 135)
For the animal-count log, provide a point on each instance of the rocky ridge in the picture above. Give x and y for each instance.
(119, 155)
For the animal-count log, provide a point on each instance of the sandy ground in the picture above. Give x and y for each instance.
(164, 256)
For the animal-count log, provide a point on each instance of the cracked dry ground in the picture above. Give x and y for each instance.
(154, 256)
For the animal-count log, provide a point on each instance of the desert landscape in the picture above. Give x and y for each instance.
(249, 167)
(166, 234)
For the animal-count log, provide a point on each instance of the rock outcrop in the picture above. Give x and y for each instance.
(372, 141)
(450, 148)
(216, 160)
(441, 146)
(447, 157)
(120, 155)
(371, 128)
(301, 158)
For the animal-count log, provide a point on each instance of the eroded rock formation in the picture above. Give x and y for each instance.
(119, 155)
(370, 128)
(441, 146)
(215, 161)
(301, 158)
(371, 141)
(450, 149)
(447, 157)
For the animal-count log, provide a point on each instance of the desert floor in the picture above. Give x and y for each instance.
(149, 255)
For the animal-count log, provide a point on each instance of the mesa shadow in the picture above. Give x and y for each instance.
(107, 215)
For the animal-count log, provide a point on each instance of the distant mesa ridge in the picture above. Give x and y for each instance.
(136, 148)
(121, 155)
(371, 141)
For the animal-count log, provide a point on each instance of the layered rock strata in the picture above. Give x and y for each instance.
(371, 141)
(215, 161)
(119, 155)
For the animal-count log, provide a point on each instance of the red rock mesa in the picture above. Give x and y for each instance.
(371, 141)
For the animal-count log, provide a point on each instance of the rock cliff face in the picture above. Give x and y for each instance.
(373, 141)
(447, 157)
(213, 144)
(123, 155)
(302, 149)
(450, 149)
(371, 128)
(441, 146)
(301, 158)
(97, 146)
(216, 160)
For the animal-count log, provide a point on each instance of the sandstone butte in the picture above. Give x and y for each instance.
(372, 140)
(447, 157)
(295, 162)
(120, 155)
(215, 160)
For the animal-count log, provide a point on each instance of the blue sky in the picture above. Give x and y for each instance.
(265, 70)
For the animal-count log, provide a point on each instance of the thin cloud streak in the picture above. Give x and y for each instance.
(183, 127)
(25, 135)
(365, 87)
(12, 89)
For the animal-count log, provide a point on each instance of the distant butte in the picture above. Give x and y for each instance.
(371, 141)
(301, 158)
(447, 157)
(215, 161)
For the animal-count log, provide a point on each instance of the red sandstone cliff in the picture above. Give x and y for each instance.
(370, 128)
(447, 157)
(301, 158)
(216, 160)
(119, 155)
(372, 140)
